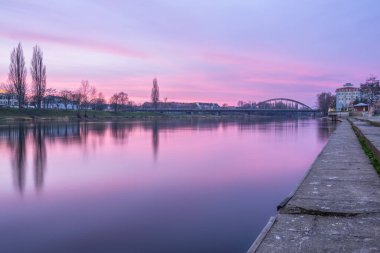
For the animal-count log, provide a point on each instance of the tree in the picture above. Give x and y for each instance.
(325, 101)
(85, 93)
(67, 96)
(75, 98)
(99, 102)
(38, 72)
(119, 100)
(50, 93)
(17, 74)
(240, 103)
(155, 95)
(371, 90)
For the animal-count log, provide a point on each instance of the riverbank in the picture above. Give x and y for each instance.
(15, 115)
(336, 208)
(68, 115)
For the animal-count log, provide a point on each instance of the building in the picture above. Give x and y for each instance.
(182, 105)
(361, 107)
(346, 95)
(8, 99)
(60, 103)
(208, 106)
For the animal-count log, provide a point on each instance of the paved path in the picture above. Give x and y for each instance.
(336, 208)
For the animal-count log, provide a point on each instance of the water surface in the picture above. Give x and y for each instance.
(200, 185)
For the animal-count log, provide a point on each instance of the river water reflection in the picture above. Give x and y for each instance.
(200, 185)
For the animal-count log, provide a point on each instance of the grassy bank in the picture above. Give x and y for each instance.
(12, 115)
(50, 114)
(367, 150)
(370, 154)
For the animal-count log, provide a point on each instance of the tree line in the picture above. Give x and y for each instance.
(85, 97)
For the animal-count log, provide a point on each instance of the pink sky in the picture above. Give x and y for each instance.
(220, 51)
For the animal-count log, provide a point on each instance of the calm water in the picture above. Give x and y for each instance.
(159, 186)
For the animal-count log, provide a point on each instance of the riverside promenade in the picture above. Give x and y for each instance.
(336, 208)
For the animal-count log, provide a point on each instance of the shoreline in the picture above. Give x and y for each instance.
(335, 206)
(51, 115)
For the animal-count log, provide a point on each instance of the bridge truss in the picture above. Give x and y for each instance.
(283, 104)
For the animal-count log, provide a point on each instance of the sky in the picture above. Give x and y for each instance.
(212, 51)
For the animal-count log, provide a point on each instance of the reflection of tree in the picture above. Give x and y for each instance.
(84, 131)
(155, 138)
(69, 134)
(39, 156)
(19, 158)
(120, 131)
(325, 129)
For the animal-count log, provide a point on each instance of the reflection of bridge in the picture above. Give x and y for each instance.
(275, 106)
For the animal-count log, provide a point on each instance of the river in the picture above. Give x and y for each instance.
(174, 185)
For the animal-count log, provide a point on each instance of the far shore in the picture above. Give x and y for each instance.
(11, 115)
(30, 115)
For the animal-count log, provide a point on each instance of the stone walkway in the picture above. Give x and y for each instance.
(336, 208)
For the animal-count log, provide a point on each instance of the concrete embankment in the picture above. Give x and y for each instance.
(336, 208)
(369, 131)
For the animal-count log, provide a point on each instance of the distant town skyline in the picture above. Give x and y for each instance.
(211, 51)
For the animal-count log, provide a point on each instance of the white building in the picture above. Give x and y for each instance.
(346, 95)
(55, 102)
(8, 99)
(207, 106)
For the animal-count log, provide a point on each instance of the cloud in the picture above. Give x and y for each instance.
(220, 51)
(81, 42)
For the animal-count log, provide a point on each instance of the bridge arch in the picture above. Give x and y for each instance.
(284, 101)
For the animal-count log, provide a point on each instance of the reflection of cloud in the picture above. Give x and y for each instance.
(325, 129)
(85, 134)
(96, 45)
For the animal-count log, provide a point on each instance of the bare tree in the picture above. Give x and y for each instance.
(50, 94)
(325, 101)
(75, 98)
(240, 103)
(99, 102)
(67, 96)
(17, 74)
(86, 92)
(38, 72)
(371, 90)
(155, 95)
(119, 100)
